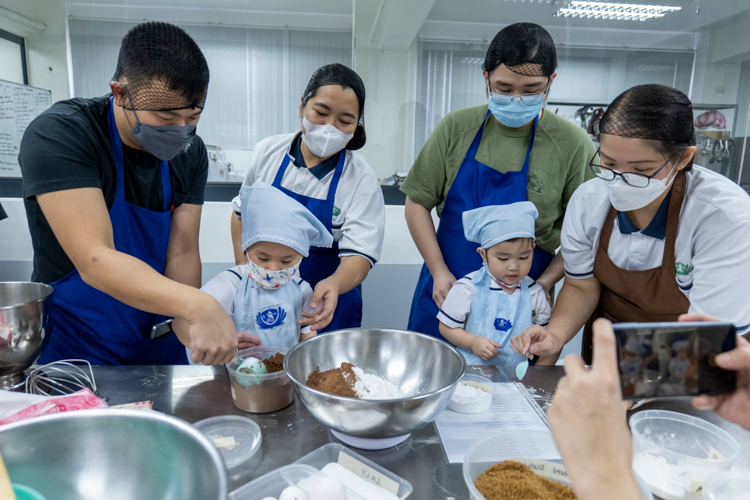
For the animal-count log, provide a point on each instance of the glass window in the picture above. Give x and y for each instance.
(12, 58)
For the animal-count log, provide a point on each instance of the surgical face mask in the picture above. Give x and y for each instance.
(625, 197)
(162, 141)
(324, 140)
(516, 111)
(272, 279)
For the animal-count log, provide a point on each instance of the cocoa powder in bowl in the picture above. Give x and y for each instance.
(271, 391)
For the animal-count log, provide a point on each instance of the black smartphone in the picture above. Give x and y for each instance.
(673, 359)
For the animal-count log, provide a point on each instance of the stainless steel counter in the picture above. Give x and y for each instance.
(193, 393)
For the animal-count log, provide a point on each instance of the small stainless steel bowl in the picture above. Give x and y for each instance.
(421, 365)
(113, 454)
(26, 313)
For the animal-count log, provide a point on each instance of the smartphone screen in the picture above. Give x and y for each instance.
(673, 359)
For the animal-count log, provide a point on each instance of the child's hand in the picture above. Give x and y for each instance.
(485, 348)
(247, 340)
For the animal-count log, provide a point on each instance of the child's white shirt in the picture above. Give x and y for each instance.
(457, 304)
(223, 287)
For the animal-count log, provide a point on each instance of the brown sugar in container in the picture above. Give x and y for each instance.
(262, 393)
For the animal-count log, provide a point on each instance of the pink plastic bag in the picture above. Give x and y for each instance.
(81, 400)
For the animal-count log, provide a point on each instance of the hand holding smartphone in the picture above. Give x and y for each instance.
(673, 359)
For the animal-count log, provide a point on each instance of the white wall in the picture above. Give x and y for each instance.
(46, 51)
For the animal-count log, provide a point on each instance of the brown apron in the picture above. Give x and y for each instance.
(638, 296)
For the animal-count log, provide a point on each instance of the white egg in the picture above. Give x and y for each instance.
(328, 488)
(293, 493)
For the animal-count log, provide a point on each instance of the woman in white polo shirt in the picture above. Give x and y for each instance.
(652, 237)
(320, 168)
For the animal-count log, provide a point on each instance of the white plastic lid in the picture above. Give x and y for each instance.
(245, 432)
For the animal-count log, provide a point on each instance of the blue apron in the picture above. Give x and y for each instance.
(323, 262)
(90, 324)
(476, 185)
(269, 313)
(498, 316)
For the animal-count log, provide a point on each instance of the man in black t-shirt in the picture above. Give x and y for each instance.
(113, 188)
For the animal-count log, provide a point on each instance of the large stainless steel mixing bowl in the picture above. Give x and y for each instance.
(419, 364)
(113, 454)
(26, 311)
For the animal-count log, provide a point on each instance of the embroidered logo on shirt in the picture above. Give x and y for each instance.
(503, 324)
(270, 318)
(336, 211)
(534, 183)
(683, 269)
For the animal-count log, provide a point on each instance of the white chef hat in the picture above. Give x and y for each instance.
(270, 215)
(491, 225)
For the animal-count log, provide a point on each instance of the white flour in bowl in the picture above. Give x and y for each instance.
(370, 386)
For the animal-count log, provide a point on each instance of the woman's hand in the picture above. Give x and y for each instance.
(588, 422)
(734, 407)
(536, 340)
(485, 348)
(442, 283)
(324, 301)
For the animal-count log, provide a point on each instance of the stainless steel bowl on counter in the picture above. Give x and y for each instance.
(421, 365)
(26, 311)
(113, 454)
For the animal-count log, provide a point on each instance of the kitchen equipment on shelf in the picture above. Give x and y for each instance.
(426, 368)
(95, 454)
(26, 311)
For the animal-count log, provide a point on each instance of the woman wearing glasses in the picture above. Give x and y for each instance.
(654, 236)
(503, 152)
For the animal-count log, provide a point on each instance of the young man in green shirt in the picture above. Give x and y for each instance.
(508, 150)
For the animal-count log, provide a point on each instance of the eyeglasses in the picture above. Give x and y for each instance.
(529, 100)
(631, 178)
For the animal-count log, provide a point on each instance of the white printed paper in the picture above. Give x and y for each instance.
(525, 434)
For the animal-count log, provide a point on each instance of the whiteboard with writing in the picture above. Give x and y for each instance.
(19, 105)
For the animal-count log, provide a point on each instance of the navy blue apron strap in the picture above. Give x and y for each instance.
(282, 169)
(336, 177)
(531, 143)
(472, 151)
(114, 138)
(166, 185)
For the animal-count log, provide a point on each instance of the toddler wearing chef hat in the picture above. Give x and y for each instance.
(484, 309)
(266, 297)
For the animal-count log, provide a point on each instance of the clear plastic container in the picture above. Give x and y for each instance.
(484, 454)
(675, 453)
(331, 453)
(245, 432)
(273, 483)
(263, 393)
(473, 405)
(728, 485)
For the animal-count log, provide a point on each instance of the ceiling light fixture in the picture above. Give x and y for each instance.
(615, 11)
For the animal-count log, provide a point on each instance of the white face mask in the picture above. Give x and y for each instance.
(324, 140)
(625, 197)
(272, 279)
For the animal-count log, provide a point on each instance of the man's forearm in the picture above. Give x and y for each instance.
(422, 230)
(553, 274)
(185, 268)
(138, 285)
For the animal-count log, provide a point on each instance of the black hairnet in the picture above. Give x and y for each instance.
(164, 69)
(338, 74)
(525, 48)
(652, 112)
